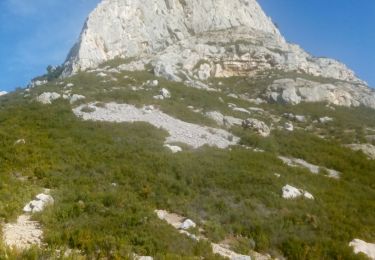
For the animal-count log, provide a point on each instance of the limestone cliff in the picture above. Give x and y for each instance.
(193, 40)
(130, 28)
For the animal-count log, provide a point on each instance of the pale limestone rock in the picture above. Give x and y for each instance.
(222, 120)
(165, 93)
(295, 91)
(325, 119)
(231, 121)
(360, 246)
(216, 116)
(173, 148)
(315, 169)
(367, 149)
(227, 253)
(258, 126)
(290, 192)
(300, 118)
(289, 127)
(48, 97)
(20, 141)
(242, 110)
(187, 224)
(42, 200)
(152, 83)
(75, 97)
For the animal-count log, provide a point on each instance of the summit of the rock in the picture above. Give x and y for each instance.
(130, 28)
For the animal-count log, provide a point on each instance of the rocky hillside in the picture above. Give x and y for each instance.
(188, 129)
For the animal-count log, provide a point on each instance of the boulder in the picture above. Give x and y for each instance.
(38, 205)
(300, 118)
(173, 148)
(360, 246)
(325, 119)
(289, 127)
(75, 97)
(48, 97)
(165, 93)
(242, 110)
(258, 126)
(187, 224)
(290, 192)
(216, 116)
(20, 141)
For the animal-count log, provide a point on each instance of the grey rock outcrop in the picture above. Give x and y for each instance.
(367, 149)
(290, 192)
(295, 91)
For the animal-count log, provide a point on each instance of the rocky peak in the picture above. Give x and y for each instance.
(130, 28)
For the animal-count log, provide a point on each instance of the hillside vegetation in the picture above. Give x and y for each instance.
(108, 178)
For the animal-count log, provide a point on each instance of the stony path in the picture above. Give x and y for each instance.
(22, 234)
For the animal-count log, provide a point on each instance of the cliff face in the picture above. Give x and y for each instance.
(133, 28)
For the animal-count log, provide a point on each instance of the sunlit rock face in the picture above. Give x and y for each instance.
(131, 28)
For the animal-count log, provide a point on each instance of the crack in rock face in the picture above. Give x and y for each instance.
(179, 131)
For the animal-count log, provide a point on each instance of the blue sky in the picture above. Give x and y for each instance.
(36, 33)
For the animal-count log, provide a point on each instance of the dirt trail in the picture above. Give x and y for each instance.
(22, 234)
